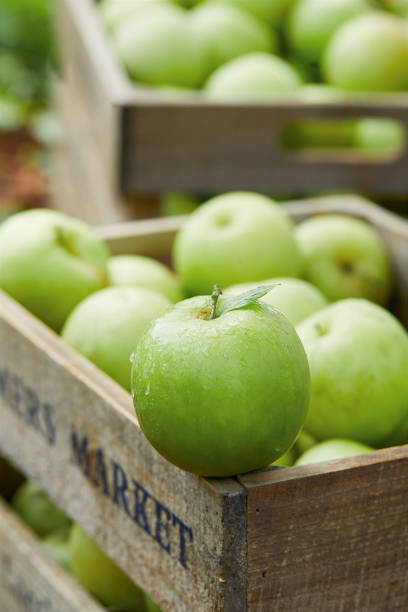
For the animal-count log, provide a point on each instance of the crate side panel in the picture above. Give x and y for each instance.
(333, 541)
(30, 579)
(67, 425)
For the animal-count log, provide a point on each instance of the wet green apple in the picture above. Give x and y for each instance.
(228, 32)
(100, 576)
(35, 508)
(311, 23)
(234, 238)
(336, 448)
(345, 257)
(220, 396)
(369, 53)
(358, 356)
(140, 271)
(296, 298)
(50, 262)
(159, 47)
(106, 327)
(253, 76)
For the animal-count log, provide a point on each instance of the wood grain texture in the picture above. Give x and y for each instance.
(331, 537)
(30, 580)
(149, 143)
(66, 424)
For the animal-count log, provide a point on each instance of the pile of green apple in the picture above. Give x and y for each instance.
(313, 50)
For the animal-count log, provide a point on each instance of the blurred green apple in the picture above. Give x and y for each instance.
(228, 32)
(50, 262)
(271, 11)
(140, 271)
(159, 47)
(57, 545)
(100, 576)
(336, 448)
(344, 257)
(233, 238)
(150, 605)
(358, 356)
(106, 327)
(253, 76)
(177, 203)
(379, 135)
(311, 23)
(287, 459)
(296, 298)
(113, 12)
(225, 395)
(369, 53)
(35, 508)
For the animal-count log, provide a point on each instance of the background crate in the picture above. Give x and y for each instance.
(30, 580)
(328, 537)
(145, 143)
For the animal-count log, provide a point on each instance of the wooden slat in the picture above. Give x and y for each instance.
(330, 537)
(30, 580)
(166, 528)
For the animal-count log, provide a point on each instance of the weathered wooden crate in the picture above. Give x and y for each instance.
(145, 143)
(330, 536)
(30, 580)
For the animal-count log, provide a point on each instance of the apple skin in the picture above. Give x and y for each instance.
(379, 135)
(106, 327)
(150, 605)
(113, 12)
(234, 238)
(177, 203)
(271, 11)
(345, 257)
(34, 507)
(369, 53)
(220, 397)
(336, 448)
(295, 298)
(228, 32)
(50, 262)
(140, 271)
(159, 47)
(57, 545)
(100, 576)
(253, 76)
(311, 23)
(358, 357)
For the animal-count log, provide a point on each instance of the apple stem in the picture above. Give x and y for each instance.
(216, 292)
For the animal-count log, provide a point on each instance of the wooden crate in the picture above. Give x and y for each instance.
(329, 537)
(30, 580)
(145, 143)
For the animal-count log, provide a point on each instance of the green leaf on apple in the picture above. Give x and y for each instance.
(245, 299)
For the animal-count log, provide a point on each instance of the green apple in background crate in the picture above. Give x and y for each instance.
(335, 448)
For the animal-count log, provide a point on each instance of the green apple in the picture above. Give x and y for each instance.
(271, 11)
(253, 76)
(400, 7)
(304, 442)
(50, 262)
(34, 507)
(345, 257)
(358, 356)
(140, 271)
(311, 24)
(296, 298)
(233, 238)
(100, 576)
(159, 47)
(228, 32)
(177, 203)
(287, 459)
(369, 53)
(319, 92)
(57, 545)
(113, 12)
(225, 395)
(335, 448)
(379, 135)
(106, 327)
